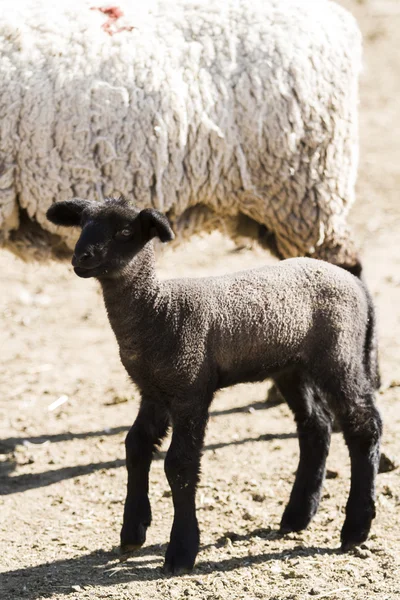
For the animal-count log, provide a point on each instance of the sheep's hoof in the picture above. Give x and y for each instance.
(351, 538)
(284, 529)
(178, 561)
(349, 544)
(294, 521)
(177, 571)
(133, 538)
(356, 526)
(128, 550)
(177, 567)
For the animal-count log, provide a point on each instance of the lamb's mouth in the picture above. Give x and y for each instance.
(89, 272)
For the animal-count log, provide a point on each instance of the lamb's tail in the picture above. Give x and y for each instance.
(371, 361)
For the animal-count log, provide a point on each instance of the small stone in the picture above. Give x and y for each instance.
(394, 383)
(362, 553)
(365, 546)
(331, 474)
(232, 536)
(117, 399)
(275, 568)
(258, 497)
(292, 574)
(386, 464)
(315, 592)
(387, 491)
(247, 516)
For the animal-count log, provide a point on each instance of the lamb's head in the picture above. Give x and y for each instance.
(113, 233)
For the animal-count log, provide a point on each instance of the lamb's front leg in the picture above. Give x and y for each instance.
(182, 467)
(145, 435)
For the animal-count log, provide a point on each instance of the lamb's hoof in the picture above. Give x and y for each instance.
(133, 538)
(284, 529)
(176, 570)
(292, 522)
(177, 567)
(179, 561)
(356, 527)
(347, 546)
(128, 550)
(351, 538)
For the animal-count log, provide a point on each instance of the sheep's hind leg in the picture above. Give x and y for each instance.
(314, 424)
(362, 429)
(182, 467)
(145, 435)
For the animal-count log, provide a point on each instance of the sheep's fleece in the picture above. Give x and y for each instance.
(203, 109)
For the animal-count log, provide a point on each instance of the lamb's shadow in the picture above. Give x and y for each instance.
(254, 406)
(21, 483)
(28, 481)
(101, 568)
(8, 445)
(10, 485)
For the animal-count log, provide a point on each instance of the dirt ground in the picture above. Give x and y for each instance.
(62, 475)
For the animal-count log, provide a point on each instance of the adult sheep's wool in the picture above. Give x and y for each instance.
(209, 110)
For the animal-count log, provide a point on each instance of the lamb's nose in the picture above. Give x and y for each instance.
(85, 256)
(79, 259)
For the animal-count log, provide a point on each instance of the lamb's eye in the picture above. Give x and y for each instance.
(123, 235)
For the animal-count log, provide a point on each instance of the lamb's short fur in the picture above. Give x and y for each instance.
(306, 323)
(239, 115)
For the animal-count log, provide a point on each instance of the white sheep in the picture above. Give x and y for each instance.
(220, 114)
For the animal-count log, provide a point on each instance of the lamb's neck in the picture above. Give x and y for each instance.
(131, 297)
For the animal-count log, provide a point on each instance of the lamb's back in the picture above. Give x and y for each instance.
(270, 315)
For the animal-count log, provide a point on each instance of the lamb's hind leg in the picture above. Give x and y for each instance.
(145, 435)
(314, 423)
(362, 429)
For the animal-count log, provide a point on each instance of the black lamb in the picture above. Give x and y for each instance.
(305, 323)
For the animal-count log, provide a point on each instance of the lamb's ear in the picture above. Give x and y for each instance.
(67, 213)
(154, 224)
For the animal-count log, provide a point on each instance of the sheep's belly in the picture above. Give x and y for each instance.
(249, 374)
(247, 363)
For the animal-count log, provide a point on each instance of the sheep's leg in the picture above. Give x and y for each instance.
(314, 424)
(182, 467)
(362, 430)
(145, 435)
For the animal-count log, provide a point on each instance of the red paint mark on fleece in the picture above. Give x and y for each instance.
(113, 13)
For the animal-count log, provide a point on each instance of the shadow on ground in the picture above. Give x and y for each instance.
(102, 568)
(9, 444)
(21, 483)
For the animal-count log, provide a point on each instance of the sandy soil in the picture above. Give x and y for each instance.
(62, 476)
